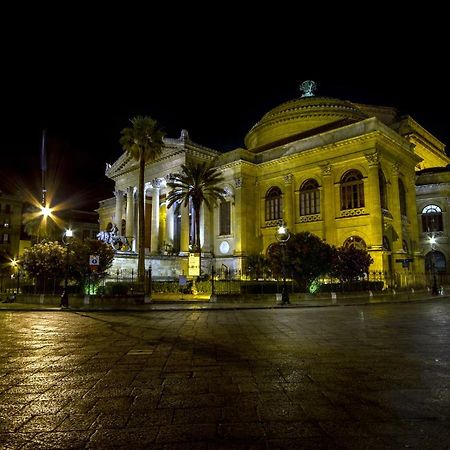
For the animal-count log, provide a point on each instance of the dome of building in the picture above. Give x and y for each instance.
(299, 117)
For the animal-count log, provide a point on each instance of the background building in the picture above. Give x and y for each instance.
(433, 199)
(343, 171)
(10, 227)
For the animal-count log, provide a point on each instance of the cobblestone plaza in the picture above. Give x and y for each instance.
(344, 377)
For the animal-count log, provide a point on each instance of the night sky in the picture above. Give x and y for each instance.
(85, 94)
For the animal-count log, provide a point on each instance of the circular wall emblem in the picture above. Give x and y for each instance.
(224, 247)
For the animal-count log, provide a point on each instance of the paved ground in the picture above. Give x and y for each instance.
(354, 377)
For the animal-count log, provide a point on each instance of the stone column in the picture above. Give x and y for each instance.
(373, 201)
(411, 209)
(238, 219)
(119, 208)
(169, 224)
(394, 206)
(184, 238)
(205, 229)
(147, 217)
(328, 208)
(288, 204)
(155, 216)
(129, 231)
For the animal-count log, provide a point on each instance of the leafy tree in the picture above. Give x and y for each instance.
(44, 261)
(77, 261)
(144, 142)
(306, 258)
(198, 183)
(350, 263)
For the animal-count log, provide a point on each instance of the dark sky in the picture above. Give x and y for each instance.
(84, 92)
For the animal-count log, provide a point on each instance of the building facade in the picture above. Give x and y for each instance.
(343, 171)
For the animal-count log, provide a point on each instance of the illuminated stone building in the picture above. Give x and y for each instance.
(343, 171)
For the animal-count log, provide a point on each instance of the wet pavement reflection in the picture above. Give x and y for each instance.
(351, 377)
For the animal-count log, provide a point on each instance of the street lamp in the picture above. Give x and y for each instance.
(434, 288)
(67, 235)
(283, 236)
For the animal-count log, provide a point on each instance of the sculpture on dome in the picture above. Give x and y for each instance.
(308, 87)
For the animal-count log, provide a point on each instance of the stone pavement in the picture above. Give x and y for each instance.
(353, 377)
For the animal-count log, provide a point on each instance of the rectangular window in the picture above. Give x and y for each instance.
(5, 237)
(432, 222)
(225, 218)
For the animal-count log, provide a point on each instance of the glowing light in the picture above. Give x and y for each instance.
(46, 211)
(69, 233)
(432, 240)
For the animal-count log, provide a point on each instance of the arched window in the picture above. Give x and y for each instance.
(383, 190)
(402, 194)
(432, 218)
(225, 217)
(273, 203)
(355, 241)
(435, 260)
(352, 190)
(309, 198)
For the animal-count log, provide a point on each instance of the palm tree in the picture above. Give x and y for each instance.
(197, 183)
(144, 142)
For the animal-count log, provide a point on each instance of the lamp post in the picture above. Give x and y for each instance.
(434, 288)
(68, 234)
(283, 236)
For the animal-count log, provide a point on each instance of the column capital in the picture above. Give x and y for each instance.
(156, 183)
(396, 169)
(238, 182)
(118, 192)
(288, 178)
(326, 169)
(373, 158)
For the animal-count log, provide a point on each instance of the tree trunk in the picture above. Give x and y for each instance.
(141, 235)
